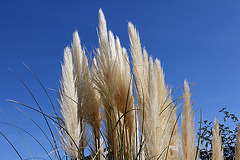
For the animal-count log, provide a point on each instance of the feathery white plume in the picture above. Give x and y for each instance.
(69, 108)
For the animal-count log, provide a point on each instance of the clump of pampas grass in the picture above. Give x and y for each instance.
(113, 108)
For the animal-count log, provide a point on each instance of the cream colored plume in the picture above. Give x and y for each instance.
(188, 134)
(217, 152)
(153, 97)
(103, 78)
(81, 71)
(88, 98)
(113, 81)
(138, 64)
(69, 108)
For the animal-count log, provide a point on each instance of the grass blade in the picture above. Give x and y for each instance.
(11, 145)
(30, 135)
(39, 109)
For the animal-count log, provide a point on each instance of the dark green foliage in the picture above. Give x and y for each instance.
(228, 136)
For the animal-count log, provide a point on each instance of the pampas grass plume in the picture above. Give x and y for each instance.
(216, 142)
(188, 135)
(69, 108)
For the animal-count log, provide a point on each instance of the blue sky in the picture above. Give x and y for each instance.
(196, 40)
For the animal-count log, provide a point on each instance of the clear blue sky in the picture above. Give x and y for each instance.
(196, 40)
